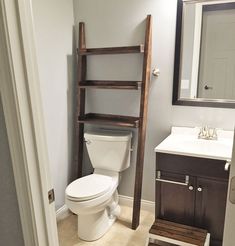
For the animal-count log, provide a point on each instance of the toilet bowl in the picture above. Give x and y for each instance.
(94, 198)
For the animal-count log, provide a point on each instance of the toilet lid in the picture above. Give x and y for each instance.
(88, 187)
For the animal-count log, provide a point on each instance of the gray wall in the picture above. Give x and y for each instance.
(120, 23)
(110, 23)
(10, 225)
(115, 23)
(54, 44)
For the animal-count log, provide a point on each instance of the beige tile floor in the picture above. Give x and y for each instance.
(120, 233)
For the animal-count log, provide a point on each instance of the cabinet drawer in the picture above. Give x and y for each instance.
(194, 166)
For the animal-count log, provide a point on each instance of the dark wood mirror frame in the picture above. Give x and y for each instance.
(200, 102)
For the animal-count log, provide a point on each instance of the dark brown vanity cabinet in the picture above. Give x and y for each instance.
(210, 207)
(192, 191)
(175, 202)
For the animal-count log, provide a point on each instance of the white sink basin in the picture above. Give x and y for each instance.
(184, 141)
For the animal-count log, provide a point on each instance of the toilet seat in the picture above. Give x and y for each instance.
(88, 187)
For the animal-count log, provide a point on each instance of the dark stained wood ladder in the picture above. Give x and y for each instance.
(139, 122)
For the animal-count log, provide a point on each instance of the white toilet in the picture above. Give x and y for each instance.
(94, 198)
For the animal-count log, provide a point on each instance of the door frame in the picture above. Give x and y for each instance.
(22, 106)
(229, 236)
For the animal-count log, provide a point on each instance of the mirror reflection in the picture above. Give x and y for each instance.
(207, 66)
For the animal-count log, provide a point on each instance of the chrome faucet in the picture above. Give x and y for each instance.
(208, 133)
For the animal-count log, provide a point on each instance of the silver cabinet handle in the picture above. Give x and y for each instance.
(190, 187)
(227, 165)
(199, 189)
(159, 179)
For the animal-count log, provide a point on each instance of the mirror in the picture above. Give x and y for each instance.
(204, 73)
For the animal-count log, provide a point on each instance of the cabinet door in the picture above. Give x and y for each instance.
(175, 202)
(211, 196)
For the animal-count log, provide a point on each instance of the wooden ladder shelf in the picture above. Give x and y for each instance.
(116, 120)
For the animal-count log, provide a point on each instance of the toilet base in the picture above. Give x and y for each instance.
(93, 226)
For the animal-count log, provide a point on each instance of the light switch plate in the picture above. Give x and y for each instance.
(232, 191)
(185, 84)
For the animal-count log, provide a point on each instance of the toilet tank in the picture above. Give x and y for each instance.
(109, 150)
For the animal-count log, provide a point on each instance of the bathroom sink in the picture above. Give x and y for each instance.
(184, 141)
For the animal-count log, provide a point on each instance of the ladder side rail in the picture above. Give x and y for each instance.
(143, 123)
(81, 99)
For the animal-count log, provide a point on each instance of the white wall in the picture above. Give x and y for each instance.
(115, 23)
(54, 42)
(10, 224)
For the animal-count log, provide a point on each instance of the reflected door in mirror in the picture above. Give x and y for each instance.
(204, 73)
(217, 60)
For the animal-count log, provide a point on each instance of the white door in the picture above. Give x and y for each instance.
(22, 106)
(229, 231)
(217, 58)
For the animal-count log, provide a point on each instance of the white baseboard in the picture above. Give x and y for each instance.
(62, 213)
(145, 205)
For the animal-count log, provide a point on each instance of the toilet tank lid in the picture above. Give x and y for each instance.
(108, 135)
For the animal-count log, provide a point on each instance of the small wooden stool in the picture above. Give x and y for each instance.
(170, 233)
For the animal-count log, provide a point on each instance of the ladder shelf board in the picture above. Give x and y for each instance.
(109, 119)
(111, 84)
(112, 50)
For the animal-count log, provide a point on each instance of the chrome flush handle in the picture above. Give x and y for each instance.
(227, 165)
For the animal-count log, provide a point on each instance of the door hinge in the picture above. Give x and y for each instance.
(51, 196)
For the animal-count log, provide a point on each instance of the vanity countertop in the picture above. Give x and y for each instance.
(184, 141)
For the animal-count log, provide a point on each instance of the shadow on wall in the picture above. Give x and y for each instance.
(72, 68)
(71, 104)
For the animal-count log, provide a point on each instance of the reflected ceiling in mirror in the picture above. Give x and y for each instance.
(205, 53)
